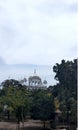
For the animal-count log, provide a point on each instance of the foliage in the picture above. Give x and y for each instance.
(43, 106)
(66, 90)
(16, 98)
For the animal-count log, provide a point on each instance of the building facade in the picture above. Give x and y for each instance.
(34, 82)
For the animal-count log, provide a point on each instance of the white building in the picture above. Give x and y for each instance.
(34, 82)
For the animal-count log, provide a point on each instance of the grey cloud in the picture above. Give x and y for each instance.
(27, 31)
(73, 8)
(55, 8)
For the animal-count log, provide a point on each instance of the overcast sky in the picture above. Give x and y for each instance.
(38, 31)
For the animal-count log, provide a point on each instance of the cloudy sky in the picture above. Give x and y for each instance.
(38, 31)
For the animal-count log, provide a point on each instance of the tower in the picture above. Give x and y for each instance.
(34, 71)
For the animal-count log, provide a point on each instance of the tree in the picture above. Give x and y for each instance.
(15, 96)
(43, 107)
(66, 89)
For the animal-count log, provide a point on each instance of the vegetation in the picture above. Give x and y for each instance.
(66, 89)
(17, 102)
(43, 106)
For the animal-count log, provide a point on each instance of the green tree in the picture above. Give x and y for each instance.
(17, 99)
(66, 89)
(43, 107)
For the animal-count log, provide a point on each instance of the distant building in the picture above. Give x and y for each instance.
(34, 82)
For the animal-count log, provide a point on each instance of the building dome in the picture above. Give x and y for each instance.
(34, 77)
(35, 80)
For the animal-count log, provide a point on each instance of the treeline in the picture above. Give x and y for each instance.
(59, 100)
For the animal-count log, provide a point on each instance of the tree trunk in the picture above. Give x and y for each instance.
(8, 114)
(18, 124)
(22, 118)
(44, 124)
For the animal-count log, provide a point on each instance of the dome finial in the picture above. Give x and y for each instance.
(34, 71)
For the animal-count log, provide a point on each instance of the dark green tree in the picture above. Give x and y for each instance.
(66, 89)
(43, 106)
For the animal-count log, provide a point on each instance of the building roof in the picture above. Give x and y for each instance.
(34, 77)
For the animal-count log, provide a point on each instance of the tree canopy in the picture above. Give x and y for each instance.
(66, 89)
